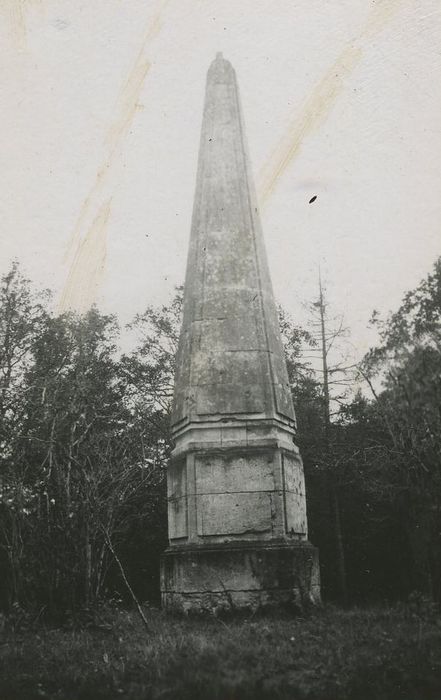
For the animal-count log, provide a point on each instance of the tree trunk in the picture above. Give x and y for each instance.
(340, 552)
(332, 489)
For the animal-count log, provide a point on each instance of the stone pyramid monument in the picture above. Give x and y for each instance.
(236, 491)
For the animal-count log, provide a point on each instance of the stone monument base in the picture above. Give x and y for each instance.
(239, 575)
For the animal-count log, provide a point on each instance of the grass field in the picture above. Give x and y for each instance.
(328, 655)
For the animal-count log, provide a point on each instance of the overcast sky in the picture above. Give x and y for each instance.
(101, 107)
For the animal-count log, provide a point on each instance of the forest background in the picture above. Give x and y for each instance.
(85, 439)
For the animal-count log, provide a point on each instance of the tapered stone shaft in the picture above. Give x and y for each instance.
(236, 494)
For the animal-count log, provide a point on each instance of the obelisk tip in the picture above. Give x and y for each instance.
(220, 69)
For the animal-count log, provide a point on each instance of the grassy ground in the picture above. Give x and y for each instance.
(328, 655)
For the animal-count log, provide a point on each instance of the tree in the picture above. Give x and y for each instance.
(407, 362)
(329, 457)
(85, 443)
(22, 319)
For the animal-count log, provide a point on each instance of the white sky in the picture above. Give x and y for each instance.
(101, 107)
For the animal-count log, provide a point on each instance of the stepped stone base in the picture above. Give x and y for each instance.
(242, 575)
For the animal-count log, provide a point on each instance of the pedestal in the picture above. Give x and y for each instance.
(237, 576)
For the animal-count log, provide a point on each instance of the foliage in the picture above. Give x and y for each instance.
(305, 387)
(150, 368)
(390, 449)
(408, 362)
(84, 442)
(83, 453)
(375, 477)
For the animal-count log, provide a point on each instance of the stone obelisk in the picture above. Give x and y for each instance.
(236, 492)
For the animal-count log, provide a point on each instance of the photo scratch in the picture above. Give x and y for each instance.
(314, 113)
(126, 107)
(87, 268)
(16, 11)
(322, 99)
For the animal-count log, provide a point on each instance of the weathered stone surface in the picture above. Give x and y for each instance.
(234, 513)
(230, 350)
(177, 518)
(230, 576)
(235, 474)
(294, 479)
(177, 479)
(236, 492)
